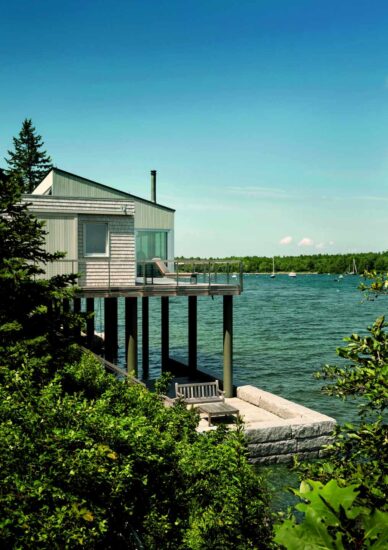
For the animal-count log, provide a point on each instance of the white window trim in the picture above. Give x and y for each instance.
(97, 254)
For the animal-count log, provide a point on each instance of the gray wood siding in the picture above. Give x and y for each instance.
(61, 237)
(72, 186)
(46, 204)
(149, 216)
(61, 234)
(119, 269)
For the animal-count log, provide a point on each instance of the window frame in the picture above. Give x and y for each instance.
(96, 254)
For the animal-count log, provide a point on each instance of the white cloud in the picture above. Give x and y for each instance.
(320, 245)
(306, 241)
(286, 240)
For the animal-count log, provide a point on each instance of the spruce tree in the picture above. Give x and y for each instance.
(28, 160)
(31, 316)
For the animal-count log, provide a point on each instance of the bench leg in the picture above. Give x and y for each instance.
(209, 419)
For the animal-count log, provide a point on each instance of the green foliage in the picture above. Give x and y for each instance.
(89, 461)
(31, 312)
(378, 283)
(86, 460)
(229, 507)
(366, 374)
(360, 451)
(314, 263)
(344, 497)
(28, 161)
(332, 519)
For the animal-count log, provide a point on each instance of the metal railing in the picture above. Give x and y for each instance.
(195, 271)
(109, 273)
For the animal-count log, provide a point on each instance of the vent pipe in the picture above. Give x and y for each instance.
(153, 185)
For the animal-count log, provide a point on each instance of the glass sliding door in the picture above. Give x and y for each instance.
(149, 245)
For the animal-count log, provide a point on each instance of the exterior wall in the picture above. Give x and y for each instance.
(62, 196)
(62, 205)
(44, 185)
(66, 185)
(119, 268)
(61, 237)
(149, 216)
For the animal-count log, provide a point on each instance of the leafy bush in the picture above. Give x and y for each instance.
(89, 461)
(344, 496)
(333, 520)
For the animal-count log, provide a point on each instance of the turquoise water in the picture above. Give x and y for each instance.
(285, 329)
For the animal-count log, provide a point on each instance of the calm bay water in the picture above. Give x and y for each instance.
(285, 329)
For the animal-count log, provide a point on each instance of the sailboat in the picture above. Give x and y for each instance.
(354, 270)
(292, 274)
(273, 269)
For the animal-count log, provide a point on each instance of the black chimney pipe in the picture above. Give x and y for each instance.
(153, 185)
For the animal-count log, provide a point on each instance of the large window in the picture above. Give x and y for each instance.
(96, 239)
(149, 245)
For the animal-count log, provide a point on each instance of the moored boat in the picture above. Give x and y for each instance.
(273, 269)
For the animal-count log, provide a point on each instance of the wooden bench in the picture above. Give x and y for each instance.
(203, 392)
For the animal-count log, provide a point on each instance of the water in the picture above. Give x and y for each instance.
(285, 329)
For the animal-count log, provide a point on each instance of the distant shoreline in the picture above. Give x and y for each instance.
(287, 272)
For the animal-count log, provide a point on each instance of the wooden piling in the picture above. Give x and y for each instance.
(192, 332)
(90, 324)
(110, 328)
(228, 345)
(77, 309)
(165, 332)
(131, 334)
(145, 336)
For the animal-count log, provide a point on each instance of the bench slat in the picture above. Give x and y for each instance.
(203, 392)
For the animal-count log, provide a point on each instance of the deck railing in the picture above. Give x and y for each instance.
(196, 271)
(113, 273)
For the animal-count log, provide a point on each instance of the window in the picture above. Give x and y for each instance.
(150, 244)
(96, 239)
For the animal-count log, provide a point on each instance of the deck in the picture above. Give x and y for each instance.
(208, 278)
(161, 287)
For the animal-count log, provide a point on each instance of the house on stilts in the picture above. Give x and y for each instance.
(122, 246)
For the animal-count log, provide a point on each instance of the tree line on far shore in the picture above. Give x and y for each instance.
(314, 263)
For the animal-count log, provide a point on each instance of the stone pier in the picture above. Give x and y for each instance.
(278, 429)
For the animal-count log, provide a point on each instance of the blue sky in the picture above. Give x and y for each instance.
(266, 120)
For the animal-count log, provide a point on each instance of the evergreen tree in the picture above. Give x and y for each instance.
(30, 312)
(28, 160)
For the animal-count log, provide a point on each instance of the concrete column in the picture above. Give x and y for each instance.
(110, 328)
(228, 346)
(165, 332)
(145, 336)
(192, 336)
(90, 322)
(131, 334)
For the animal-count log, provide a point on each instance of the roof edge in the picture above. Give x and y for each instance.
(102, 185)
